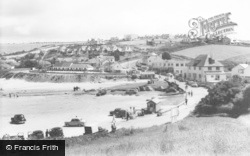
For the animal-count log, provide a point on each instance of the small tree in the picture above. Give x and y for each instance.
(166, 56)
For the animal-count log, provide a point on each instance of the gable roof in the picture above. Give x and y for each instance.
(244, 65)
(62, 64)
(204, 61)
(81, 66)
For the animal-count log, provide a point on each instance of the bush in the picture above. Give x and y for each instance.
(223, 98)
(166, 56)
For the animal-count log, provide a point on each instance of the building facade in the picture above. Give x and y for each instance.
(205, 69)
(179, 65)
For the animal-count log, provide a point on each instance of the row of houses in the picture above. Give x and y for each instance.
(95, 48)
(203, 68)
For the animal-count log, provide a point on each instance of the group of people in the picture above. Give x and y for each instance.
(76, 88)
(13, 95)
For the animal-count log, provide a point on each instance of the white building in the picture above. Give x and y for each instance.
(242, 70)
(179, 65)
(205, 69)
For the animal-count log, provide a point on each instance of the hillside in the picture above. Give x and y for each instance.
(192, 136)
(219, 52)
(240, 59)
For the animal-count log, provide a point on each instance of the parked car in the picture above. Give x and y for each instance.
(56, 132)
(18, 119)
(192, 84)
(75, 123)
(101, 92)
(131, 92)
(36, 135)
(118, 112)
(19, 136)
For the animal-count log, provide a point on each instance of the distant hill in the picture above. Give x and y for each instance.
(219, 52)
(240, 59)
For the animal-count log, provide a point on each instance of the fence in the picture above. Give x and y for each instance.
(174, 112)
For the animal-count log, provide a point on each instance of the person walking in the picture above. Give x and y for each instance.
(191, 93)
(127, 116)
(47, 133)
(186, 101)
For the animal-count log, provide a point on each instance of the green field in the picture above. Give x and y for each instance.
(219, 52)
(192, 136)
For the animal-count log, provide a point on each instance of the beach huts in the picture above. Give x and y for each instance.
(153, 105)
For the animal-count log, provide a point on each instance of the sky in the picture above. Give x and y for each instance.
(79, 20)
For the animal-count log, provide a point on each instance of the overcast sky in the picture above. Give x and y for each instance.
(78, 20)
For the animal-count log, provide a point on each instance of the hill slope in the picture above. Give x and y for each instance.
(219, 52)
(192, 136)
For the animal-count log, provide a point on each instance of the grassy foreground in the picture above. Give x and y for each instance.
(192, 136)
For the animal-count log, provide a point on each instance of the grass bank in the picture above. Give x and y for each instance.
(192, 136)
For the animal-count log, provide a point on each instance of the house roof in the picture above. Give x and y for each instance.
(62, 64)
(147, 73)
(244, 65)
(82, 66)
(155, 100)
(204, 61)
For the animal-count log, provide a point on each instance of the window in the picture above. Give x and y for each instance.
(164, 64)
(212, 76)
(177, 64)
(209, 68)
(217, 77)
(200, 76)
(189, 68)
(169, 64)
(172, 64)
(182, 64)
(194, 68)
(241, 71)
(199, 68)
(217, 68)
(177, 71)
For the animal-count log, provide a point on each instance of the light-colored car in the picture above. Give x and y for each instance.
(75, 122)
(192, 84)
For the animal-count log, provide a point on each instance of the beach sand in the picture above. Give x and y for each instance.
(45, 112)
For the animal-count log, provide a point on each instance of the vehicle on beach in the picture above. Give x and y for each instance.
(56, 132)
(101, 92)
(19, 136)
(118, 113)
(75, 122)
(94, 129)
(18, 119)
(36, 135)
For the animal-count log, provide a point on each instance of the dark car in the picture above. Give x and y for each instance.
(18, 119)
(101, 92)
(118, 112)
(56, 132)
(36, 135)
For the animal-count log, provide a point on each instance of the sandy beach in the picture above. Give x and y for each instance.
(44, 112)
